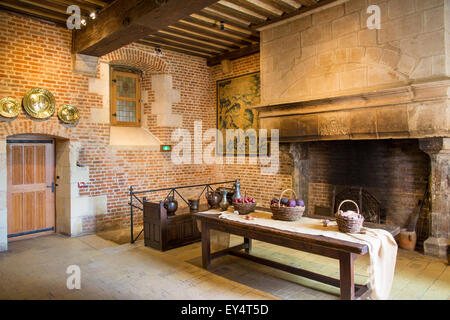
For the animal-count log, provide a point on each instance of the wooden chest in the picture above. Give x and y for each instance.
(165, 232)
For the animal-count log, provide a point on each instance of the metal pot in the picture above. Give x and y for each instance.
(171, 205)
(213, 198)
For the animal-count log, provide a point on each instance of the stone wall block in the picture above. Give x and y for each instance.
(392, 121)
(345, 25)
(327, 15)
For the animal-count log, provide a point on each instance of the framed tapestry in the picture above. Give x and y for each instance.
(236, 98)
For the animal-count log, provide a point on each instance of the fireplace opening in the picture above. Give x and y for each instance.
(387, 178)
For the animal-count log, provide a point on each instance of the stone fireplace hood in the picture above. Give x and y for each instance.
(419, 110)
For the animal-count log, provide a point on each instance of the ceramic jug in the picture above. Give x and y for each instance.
(213, 198)
(171, 205)
(224, 202)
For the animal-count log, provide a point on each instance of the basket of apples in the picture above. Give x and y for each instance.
(287, 209)
(244, 205)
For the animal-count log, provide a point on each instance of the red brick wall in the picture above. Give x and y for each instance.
(262, 187)
(394, 171)
(36, 54)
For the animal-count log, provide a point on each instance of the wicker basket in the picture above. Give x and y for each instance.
(287, 213)
(346, 224)
(244, 208)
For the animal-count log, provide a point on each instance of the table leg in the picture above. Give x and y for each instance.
(206, 245)
(347, 282)
(249, 245)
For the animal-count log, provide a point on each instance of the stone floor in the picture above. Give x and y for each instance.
(36, 269)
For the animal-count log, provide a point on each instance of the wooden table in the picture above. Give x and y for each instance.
(346, 252)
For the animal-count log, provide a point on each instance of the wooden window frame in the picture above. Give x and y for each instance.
(113, 89)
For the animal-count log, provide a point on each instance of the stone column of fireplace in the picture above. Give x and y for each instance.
(439, 151)
(300, 176)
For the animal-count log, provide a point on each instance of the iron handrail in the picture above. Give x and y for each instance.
(172, 191)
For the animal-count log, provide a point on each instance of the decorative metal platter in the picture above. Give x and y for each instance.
(9, 107)
(39, 103)
(68, 114)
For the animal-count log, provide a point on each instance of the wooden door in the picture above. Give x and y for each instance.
(31, 196)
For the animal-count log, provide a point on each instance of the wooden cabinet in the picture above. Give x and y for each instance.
(165, 232)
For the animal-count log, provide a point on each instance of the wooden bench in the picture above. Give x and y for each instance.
(346, 252)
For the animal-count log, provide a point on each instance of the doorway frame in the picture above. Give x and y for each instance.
(66, 156)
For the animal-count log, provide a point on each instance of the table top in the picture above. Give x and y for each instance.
(295, 236)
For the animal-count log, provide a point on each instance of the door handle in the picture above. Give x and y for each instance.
(52, 186)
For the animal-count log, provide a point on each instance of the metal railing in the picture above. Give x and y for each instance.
(172, 191)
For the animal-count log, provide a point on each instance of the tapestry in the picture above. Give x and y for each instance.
(235, 99)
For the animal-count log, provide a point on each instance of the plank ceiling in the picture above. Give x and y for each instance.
(226, 29)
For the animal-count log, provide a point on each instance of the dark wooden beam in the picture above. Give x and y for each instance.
(220, 17)
(245, 51)
(185, 33)
(218, 35)
(252, 7)
(191, 41)
(214, 27)
(306, 3)
(280, 5)
(33, 11)
(126, 21)
(239, 14)
(174, 48)
(297, 12)
(181, 45)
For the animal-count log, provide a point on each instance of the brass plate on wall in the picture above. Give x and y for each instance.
(39, 103)
(9, 107)
(68, 114)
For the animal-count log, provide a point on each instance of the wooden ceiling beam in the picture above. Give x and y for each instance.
(174, 48)
(306, 3)
(187, 33)
(239, 14)
(33, 11)
(214, 27)
(280, 5)
(182, 45)
(253, 7)
(219, 17)
(45, 5)
(301, 10)
(126, 21)
(245, 51)
(97, 3)
(192, 41)
(190, 27)
(83, 5)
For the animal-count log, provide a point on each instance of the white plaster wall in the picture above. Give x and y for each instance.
(165, 96)
(86, 207)
(101, 87)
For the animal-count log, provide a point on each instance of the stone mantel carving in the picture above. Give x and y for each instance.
(418, 110)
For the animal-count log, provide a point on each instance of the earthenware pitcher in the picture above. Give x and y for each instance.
(193, 205)
(171, 205)
(213, 198)
(224, 202)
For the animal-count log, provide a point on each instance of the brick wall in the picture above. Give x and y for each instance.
(262, 187)
(37, 54)
(394, 171)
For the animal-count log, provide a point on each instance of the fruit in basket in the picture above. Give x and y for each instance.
(300, 202)
(292, 203)
(284, 201)
(245, 200)
(274, 201)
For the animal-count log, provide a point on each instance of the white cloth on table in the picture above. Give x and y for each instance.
(381, 244)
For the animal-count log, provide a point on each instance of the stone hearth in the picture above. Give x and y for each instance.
(326, 77)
